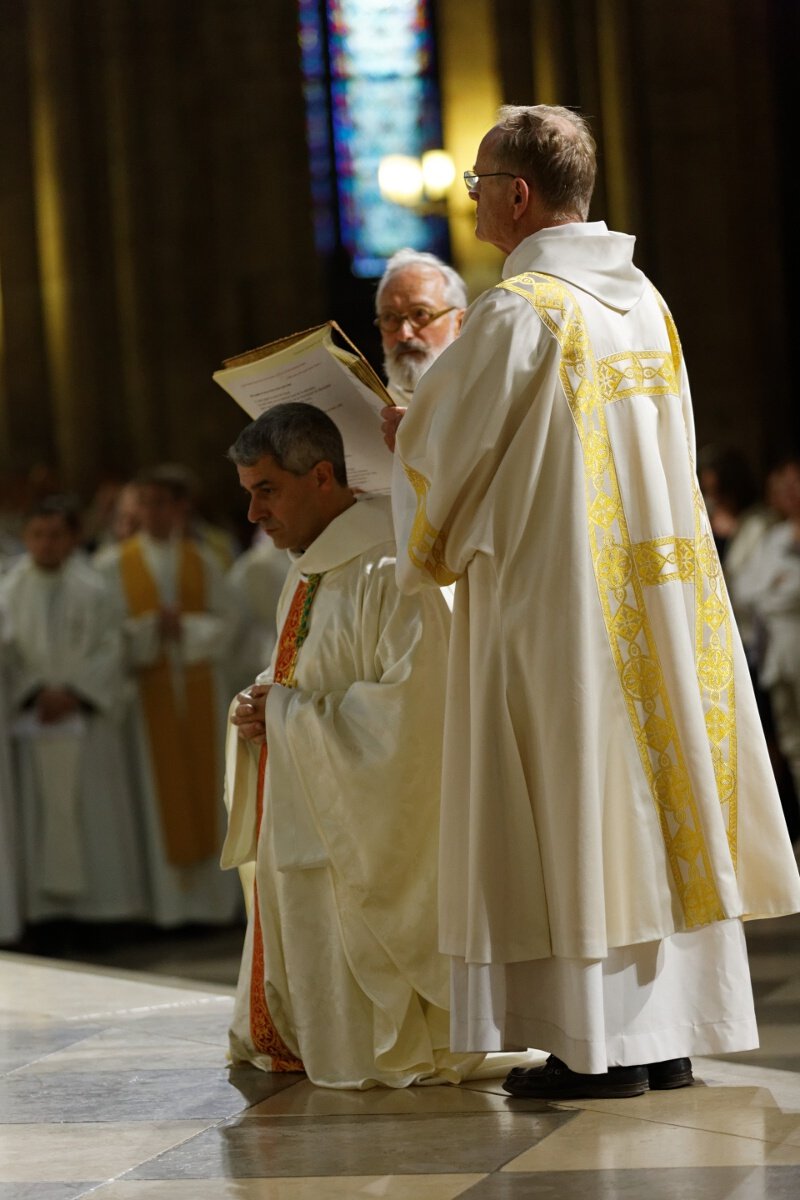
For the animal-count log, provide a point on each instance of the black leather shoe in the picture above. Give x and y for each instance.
(672, 1073)
(555, 1081)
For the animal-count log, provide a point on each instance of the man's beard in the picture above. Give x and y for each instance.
(407, 362)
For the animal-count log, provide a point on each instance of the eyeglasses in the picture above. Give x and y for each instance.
(417, 318)
(471, 177)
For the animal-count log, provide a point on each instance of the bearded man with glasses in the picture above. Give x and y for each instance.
(419, 303)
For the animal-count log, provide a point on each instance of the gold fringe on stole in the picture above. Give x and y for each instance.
(182, 740)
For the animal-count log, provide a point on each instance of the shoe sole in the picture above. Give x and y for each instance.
(580, 1093)
(685, 1079)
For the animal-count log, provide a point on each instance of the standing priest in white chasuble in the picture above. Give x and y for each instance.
(334, 784)
(609, 814)
(10, 882)
(179, 622)
(77, 834)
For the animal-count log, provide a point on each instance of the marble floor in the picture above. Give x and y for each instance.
(113, 1084)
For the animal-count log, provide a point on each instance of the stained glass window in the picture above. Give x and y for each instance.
(370, 90)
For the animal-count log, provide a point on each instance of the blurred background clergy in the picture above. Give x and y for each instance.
(124, 283)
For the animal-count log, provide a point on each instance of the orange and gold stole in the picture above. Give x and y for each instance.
(183, 739)
(263, 1033)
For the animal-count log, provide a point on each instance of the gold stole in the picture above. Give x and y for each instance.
(263, 1033)
(182, 739)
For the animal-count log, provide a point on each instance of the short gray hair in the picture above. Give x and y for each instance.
(297, 436)
(553, 148)
(455, 291)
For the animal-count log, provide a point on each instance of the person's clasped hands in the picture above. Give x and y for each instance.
(249, 714)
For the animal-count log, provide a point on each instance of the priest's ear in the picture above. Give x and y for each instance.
(324, 475)
(522, 198)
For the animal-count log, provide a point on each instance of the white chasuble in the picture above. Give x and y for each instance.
(606, 780)
(77, 816)
(346, 857)
(10, 880)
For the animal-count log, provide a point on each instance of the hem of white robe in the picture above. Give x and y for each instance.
(448, 1069)
(685, 1042)
(482, 1020)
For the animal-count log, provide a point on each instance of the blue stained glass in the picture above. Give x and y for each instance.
(378, 39)
(371, 84)
(311, 34)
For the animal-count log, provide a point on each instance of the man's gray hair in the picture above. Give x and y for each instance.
(552, 148)
(455, 292)
(297, 436)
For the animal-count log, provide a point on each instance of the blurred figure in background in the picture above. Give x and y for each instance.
(192, 524)
(10, 908)
(12, 506)
(769, 589)
(115, 517)
(257, 577)
(63, 649)
(739, 520)
(731, 496)
(180, 620)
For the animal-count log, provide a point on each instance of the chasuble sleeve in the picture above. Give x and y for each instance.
(464, 413)
(240, 784)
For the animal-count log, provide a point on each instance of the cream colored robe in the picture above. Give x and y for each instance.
(77, 816)
(201, 892)
(10, 884)
(606, 782)
(346, 862)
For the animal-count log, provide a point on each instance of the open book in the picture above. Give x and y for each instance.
(310, 367)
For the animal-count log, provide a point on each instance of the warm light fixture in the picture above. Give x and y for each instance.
(420, 184)
(438, 173)
(400, 179)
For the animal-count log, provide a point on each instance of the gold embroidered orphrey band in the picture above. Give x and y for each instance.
(426, 545)
(622, 571)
